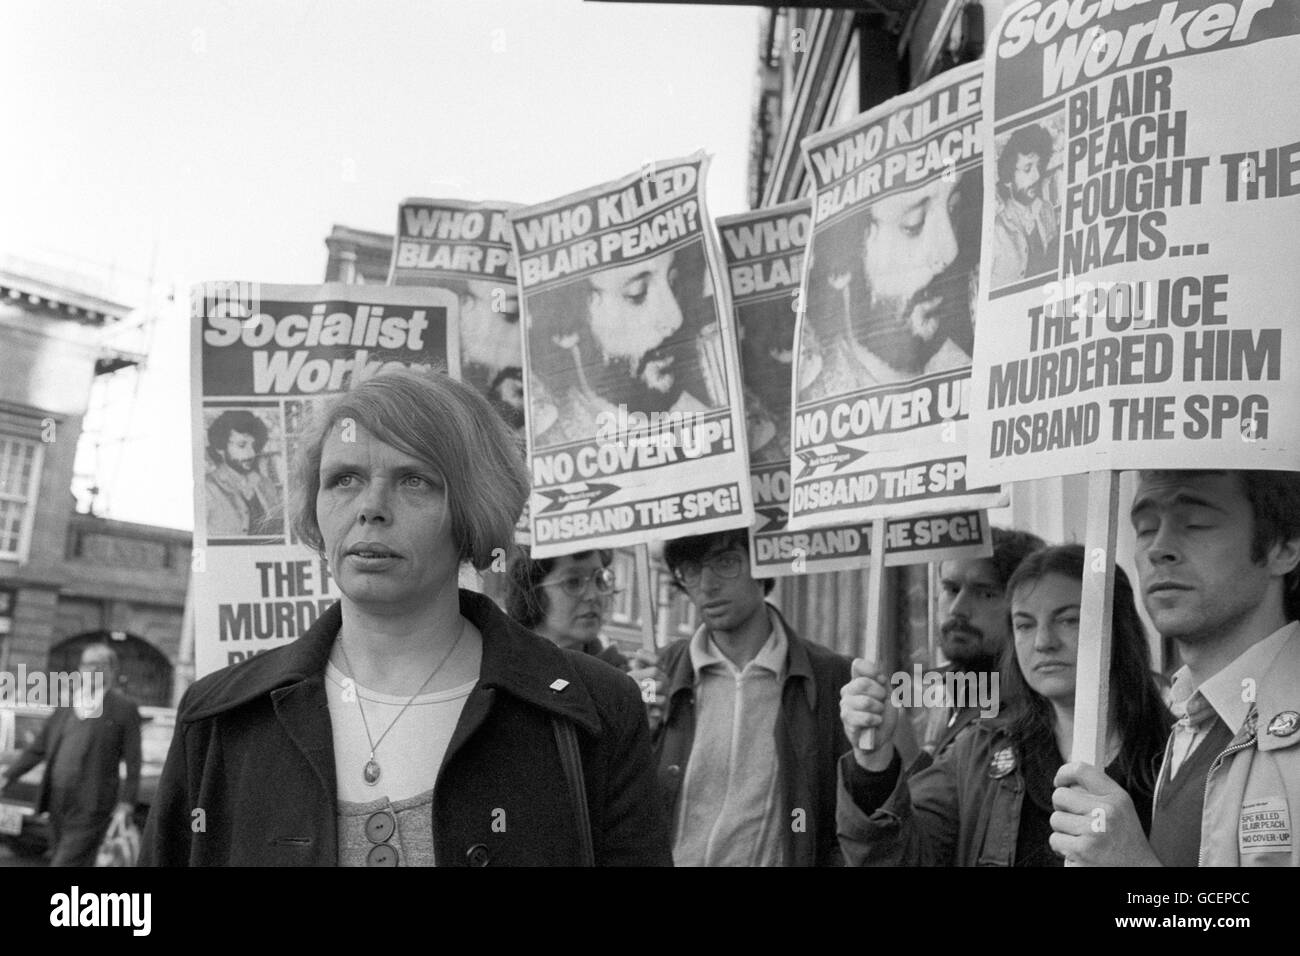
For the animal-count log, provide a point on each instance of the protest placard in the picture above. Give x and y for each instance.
(1140, 229)
(886, 332)
(1141, 236)
(635, 430)
(464, 247)
(265, 358)
(763, 253)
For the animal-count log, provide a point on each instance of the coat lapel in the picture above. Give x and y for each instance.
(526, 666)
(303, 712)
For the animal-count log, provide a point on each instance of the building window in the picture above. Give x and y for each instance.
(20, 468)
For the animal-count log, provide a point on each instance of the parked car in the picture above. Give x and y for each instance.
(27, 832)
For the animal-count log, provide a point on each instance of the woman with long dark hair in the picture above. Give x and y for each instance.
(1040, 687)
(988, 800)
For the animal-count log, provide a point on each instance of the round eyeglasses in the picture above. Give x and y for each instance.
(725, 565)
(575, 584)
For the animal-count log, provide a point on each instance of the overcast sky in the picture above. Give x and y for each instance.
(223, 140)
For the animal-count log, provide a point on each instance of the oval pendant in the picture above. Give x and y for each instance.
(371, 772)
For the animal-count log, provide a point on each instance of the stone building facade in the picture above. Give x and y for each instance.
(69, 578)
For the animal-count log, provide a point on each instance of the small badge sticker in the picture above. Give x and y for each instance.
(1284, 724)
(1003, 762)
(559, 684)
(1265, 826)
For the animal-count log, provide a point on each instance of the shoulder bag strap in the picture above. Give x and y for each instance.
(567, 741)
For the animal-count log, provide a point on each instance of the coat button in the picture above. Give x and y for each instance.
(382, 854)
(675, 769)
(477, 855)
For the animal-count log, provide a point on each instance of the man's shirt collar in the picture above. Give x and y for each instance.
(772, 656)
(1224, 693)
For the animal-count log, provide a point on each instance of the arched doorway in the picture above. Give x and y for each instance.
(146, 672)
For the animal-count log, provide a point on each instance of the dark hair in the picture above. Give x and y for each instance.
(1010, 547)
(1031, 140)
(1140, 714)
(1274, 498)
(526, 599)
(236, 420)
(694, 548)
(440, 421)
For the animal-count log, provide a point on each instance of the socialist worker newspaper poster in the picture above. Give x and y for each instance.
(763, 252)
(1143, 202)
(635, 425)
(265, 358)
(887, 330)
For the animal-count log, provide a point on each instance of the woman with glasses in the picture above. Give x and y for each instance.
(565, 599)
(415, 723)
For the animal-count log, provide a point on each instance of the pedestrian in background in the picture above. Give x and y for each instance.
(83, 745)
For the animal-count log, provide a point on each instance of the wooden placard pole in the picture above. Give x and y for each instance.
(932, 611)
(643, 588)
(1092, 667)
(875, 612)
(1092, 671)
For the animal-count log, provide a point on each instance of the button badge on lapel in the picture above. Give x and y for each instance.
(1002, 763)
(1284, 724)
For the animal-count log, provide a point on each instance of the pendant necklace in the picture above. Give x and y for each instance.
(372, 771)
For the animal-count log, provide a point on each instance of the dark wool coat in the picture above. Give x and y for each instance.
(250, 778)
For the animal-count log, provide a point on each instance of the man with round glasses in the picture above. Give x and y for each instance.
(565, 600)
(750, 733)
